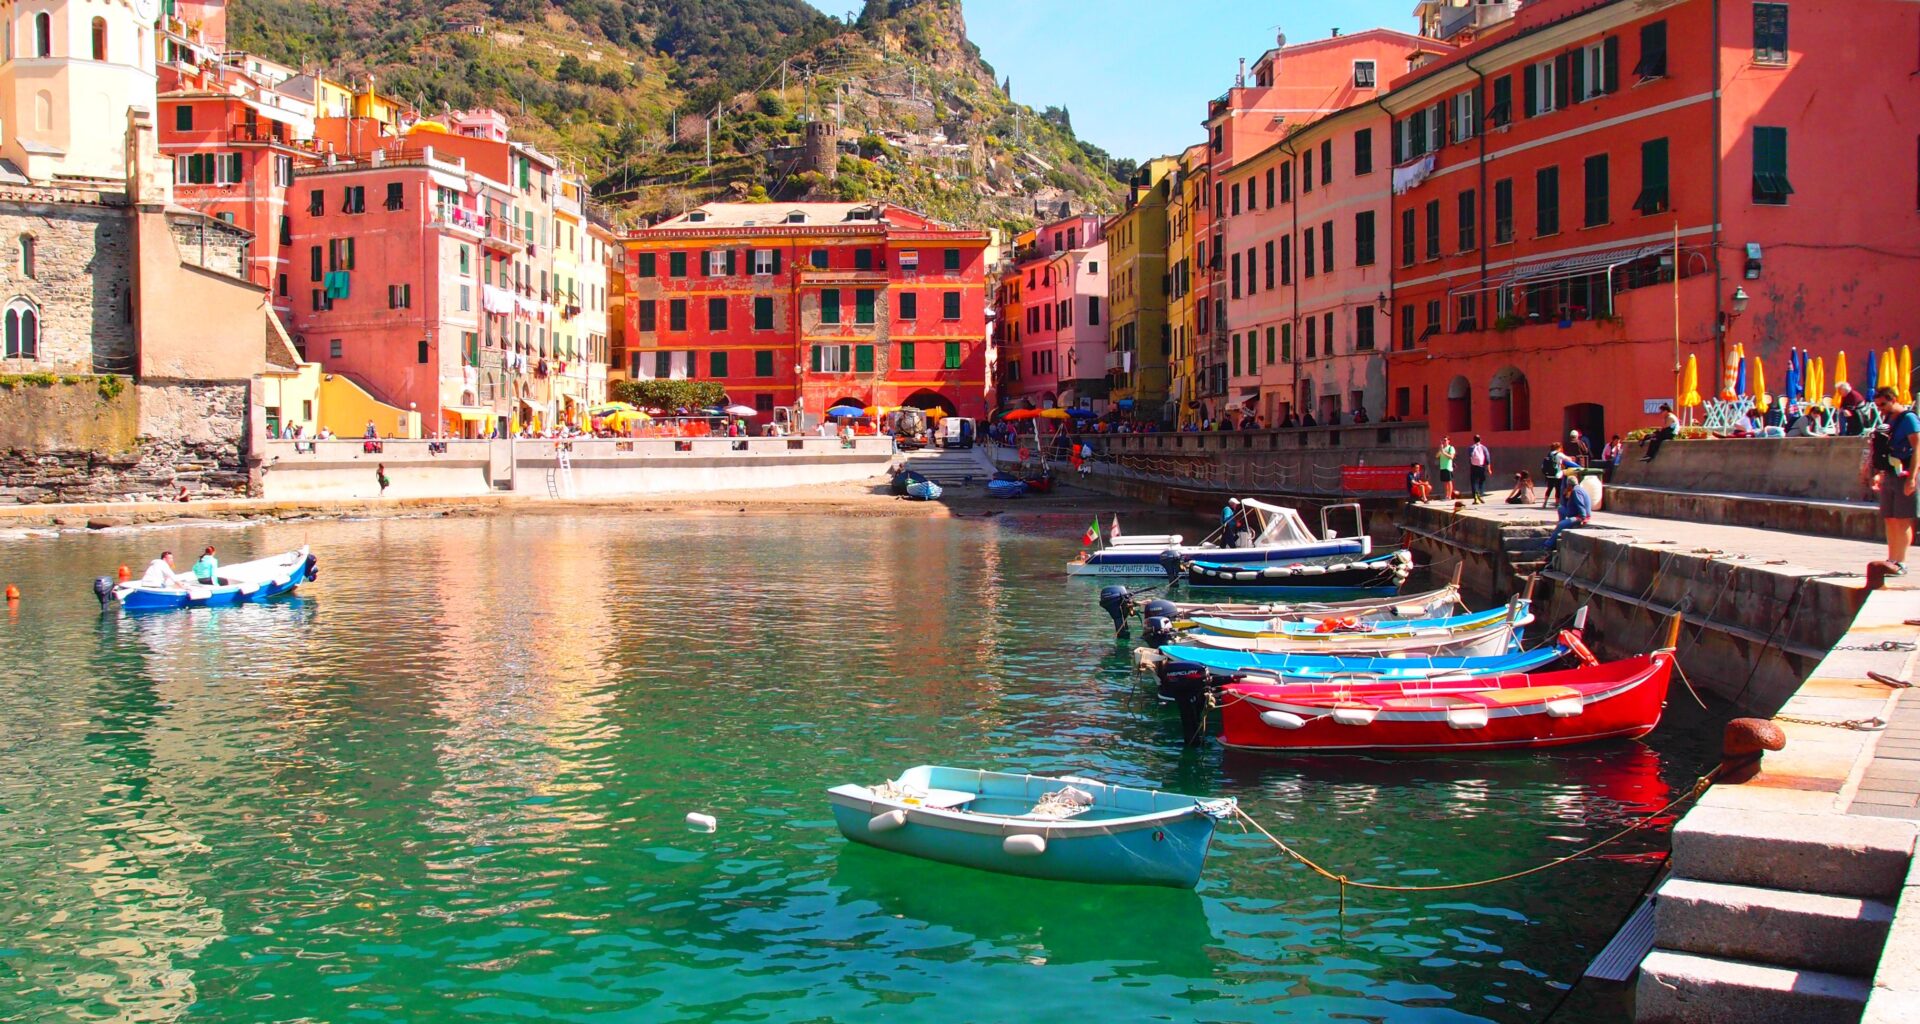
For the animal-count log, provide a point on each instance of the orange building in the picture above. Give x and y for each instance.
(812, 304)
(1543, 174)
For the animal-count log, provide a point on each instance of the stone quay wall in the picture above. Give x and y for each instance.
(85, 439)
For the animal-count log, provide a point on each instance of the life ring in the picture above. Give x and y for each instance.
(1571, 638)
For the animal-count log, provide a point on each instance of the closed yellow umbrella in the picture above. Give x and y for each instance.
(1690, 384)
(1816, 380)
(1760, 397)
(1889, 369)
(1840, 368)
(1905, 383)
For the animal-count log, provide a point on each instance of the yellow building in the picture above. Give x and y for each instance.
(1139, 341)
(1188, 227)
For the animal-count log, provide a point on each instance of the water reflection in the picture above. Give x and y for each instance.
(449, 780)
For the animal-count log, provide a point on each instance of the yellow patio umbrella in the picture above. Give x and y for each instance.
(1054, 414)
(1760, 397)
(879, 410)
(1815, 386)
(1905, 383)
(935, 413)
(1839, 371)
(1690, 384)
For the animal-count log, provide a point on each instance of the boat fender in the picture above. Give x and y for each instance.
(1312, 570)
(103, 589)
(1355, 716)
(887, 822)
(1467, 718)
(1024, 845)
(1565, 707)
(697, 822)
(1282, 719)
(1574, 643)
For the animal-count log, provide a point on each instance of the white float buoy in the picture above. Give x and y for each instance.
(1024, 845)
(701, 822)
(1565, 707)
(1355, 716)
(1282, 719)
(1467, 718)
(887, 821)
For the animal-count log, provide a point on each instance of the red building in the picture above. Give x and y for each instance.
(818, 304)
(1541, 176)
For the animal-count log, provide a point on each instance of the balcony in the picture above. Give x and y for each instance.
(454, 218)
(505, 235)
(1477, 16)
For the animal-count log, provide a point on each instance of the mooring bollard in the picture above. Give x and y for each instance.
(1744, 743)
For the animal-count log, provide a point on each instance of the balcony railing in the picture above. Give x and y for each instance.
(459, 219)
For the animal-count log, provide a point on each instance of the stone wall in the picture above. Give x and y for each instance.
(78, 277)
(70, 442)
(211, 244)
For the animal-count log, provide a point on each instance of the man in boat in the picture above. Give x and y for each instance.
(207, 569)
(160, 574)
(1229, 524)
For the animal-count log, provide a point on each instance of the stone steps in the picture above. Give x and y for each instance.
(1818, 853)
(1804, 931)
(1685, 988)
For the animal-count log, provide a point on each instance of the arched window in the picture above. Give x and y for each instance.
(22, 330)
(1511, 399)
(1459, 406)
(26, 256)
(99, 39)
(43, 35)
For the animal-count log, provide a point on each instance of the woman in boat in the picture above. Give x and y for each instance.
(207, 569)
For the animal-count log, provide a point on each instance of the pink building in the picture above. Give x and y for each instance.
(391, 259)
(1058, 315)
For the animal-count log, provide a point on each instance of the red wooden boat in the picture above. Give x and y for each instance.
(1614, 700)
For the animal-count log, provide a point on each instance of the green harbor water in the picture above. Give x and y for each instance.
(448, 783)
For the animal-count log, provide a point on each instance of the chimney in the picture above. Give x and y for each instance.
(1240, 79)
(149, 177)
(1336, 32)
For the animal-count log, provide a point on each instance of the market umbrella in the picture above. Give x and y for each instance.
(613, 407)
(1728, 374)
(1789, 388)
(1053, 414)
(742, 410)
(1905, 383)
(1817, 379)
(1021, 414)
(1082, 414)
(1839, 368)
(1690, 384)
(1872, 376)
(1740, 378)
(1761, 400)
(935, 413)
(878, 410)
(844, 411)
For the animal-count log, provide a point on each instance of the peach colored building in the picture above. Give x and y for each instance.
(1040, 371)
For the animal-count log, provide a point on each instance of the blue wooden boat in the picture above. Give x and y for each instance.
(1066, 829)
(1319, 667)
(241, 583)
(1006, 488)
(1370, 575)
(923, 490)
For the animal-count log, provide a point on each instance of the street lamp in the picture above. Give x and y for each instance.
(1740, 299)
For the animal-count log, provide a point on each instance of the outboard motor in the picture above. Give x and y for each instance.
(1118, 601)
(1185, 685)
(103, 589)
(1170, 561)
(1159, 617)
(313, 567)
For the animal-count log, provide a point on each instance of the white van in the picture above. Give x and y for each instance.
(955, 432)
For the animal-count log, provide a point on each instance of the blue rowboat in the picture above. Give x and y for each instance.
(923, 490)
(1320, 667)
(1006, 488)
(241, 583)
(1065, 829)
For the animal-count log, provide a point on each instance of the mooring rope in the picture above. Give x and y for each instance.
(1345, 882)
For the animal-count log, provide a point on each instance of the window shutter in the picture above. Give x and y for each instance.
(1528, 75)
(1562, 79)
(1399, 143)
(732, 265)
(863, 358)
(816, 359)
(1576, 75)
(844, 364)
(1610, 65)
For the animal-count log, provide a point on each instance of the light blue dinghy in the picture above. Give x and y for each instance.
(1066, 829)
(1321, 667)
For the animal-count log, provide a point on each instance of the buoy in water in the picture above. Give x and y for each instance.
(701, 822)
(13, 592)
(124, 574)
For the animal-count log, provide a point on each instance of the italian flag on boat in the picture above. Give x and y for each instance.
(1092, 536)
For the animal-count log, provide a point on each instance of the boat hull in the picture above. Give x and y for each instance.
(1378, 574)
(1616, 700)
(246, 583)
(1164, 845)
(1320, 668)
(1150, 560)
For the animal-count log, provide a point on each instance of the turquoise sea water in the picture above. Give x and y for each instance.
(448, 783)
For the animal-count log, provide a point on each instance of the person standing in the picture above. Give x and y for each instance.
(1229, 525)
(1479, 465)
(1578, 449)
(1610, 456)
(1891, 468)
(1443, 467)
(380, 477)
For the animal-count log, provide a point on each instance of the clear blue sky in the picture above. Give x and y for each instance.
(1136, 74)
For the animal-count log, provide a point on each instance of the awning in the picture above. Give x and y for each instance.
(470, 413)
(1579, 266)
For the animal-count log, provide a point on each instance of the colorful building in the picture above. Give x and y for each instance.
(1546, 171)
(1307, 281)
(1009, 319)
(1194, 390)
(1139, 342)
(812, 305)
(1055, 358)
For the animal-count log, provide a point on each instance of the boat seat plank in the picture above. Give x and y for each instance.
(944, 799)
(1526, 695)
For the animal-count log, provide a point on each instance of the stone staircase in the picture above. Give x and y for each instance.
(1768, 919)
(950, 467)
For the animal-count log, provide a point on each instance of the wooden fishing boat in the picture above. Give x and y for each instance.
(923, 490)
(1613, 700)
(1479, 634)
(1163, 617)
(1380, 574)
(241, 583)
(1066, 829)
(1279, 537)
(1250, 666)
